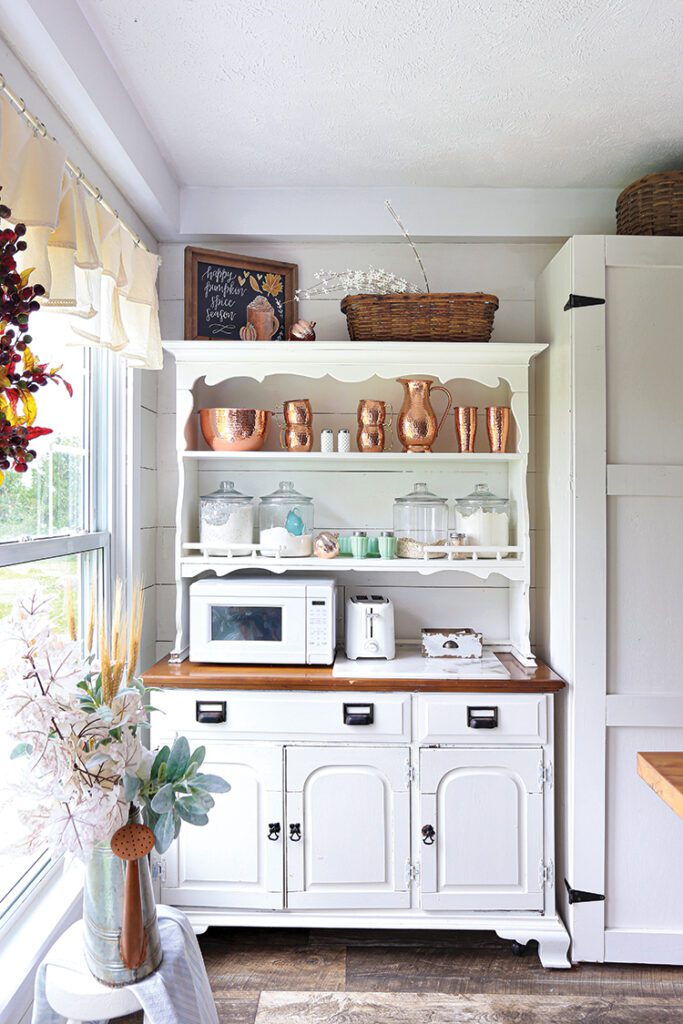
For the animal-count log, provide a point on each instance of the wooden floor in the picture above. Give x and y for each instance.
(285, 976)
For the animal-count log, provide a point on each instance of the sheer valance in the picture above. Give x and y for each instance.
(90, 265)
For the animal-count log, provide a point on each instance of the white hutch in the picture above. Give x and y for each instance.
(415, 819)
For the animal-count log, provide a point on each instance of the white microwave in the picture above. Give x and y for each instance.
(263, 621)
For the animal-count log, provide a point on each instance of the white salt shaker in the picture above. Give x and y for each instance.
(327, 441)
(343, 441)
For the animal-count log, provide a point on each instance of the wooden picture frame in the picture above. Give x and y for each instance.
(219, 286)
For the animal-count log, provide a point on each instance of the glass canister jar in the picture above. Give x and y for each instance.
(484, 519)
(420, 520)
(226, 521)
(286, 523)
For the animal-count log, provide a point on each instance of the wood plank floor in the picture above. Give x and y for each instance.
(296, 976)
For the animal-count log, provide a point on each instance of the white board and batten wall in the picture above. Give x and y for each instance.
(610, 580)
(504, 269)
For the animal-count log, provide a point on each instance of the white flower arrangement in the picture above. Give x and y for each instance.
(372, 281)
(80, 732)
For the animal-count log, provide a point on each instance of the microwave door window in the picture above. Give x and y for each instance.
(242, 623)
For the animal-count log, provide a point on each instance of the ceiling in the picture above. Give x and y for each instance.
(458, 93)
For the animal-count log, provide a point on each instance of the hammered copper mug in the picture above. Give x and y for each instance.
(297, 412)
(297, 438)
(371, 414)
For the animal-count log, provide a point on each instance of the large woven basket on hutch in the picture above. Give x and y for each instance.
(417, 316)
(652, 205)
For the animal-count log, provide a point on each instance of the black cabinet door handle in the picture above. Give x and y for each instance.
(359, 714)
(295, 832)
(274, 831)
(482, 718)
(210, 711)
(428, 835)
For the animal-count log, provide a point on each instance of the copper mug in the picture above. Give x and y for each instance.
(298, 412)
(417, 425)
(372, 415)
(296, 438)
(262, 323)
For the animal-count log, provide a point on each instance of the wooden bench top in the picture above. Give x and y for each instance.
(663, 772)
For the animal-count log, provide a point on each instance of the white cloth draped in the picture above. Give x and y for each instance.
(89, 265)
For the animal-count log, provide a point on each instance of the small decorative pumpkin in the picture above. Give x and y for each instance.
(248, 332)
(302, 330)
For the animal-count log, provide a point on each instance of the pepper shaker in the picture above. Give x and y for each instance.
(343, 441)
(327, 441)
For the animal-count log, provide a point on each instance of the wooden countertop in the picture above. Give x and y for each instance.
(663, 772)
(189, 676)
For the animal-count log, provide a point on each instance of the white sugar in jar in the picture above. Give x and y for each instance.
(484, 519)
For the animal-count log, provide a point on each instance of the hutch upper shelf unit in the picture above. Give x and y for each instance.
(354, 490)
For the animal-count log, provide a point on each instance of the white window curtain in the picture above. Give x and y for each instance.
(90, 265)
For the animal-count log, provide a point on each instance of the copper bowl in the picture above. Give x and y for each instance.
(234, 430)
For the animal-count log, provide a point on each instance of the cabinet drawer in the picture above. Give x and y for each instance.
(360, 717)
(481, 718)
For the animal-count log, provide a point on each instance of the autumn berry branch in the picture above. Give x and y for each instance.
(21, 374)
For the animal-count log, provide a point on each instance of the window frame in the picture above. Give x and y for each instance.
(106, 512)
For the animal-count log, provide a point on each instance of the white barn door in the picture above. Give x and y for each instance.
(609, 583)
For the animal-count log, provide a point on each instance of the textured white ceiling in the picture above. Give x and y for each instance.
(403, 92)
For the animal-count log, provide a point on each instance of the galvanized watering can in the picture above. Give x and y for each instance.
(103, 915)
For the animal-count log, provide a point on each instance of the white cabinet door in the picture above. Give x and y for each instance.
(348, 827)
(232, 862)
(481, 832)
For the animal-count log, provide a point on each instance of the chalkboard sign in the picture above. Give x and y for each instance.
(231, 298)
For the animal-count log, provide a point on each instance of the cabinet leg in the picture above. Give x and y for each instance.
(553, 942)
(553, 950)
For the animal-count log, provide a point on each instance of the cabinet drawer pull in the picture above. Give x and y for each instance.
(359, 714)
(274, 831)
(295, 833)
(482, 718)
(428, 835)
(210, 711)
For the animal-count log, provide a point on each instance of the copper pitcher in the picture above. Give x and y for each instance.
(417, 425)
(262, 323)
(372, 415)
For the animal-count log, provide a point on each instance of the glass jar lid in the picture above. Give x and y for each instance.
(227, 490)
(421, 495)
(481, 497)
(286, 493)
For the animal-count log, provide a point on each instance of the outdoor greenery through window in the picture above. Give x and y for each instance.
(53, 536)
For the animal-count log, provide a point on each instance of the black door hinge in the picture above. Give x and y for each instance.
(576, 301)
(579, 896)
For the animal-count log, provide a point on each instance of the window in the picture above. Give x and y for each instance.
(55, 524)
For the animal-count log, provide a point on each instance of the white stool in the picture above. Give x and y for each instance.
(72, 991)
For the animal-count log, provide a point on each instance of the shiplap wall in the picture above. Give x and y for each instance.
(148, 517)
(506, 270)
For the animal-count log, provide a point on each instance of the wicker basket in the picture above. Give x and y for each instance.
(408, 316)
(653, 205)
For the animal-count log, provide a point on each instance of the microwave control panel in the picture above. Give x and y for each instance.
(320, 625)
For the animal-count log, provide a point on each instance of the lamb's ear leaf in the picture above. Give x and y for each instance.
(162, 755)
(131, 787)
(191, 812)
(211, 783)
(178, 759)
(162, 802)
(164, 832)
(198, 756)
